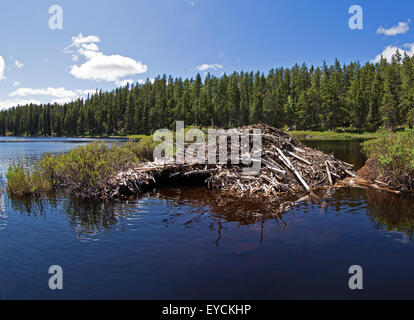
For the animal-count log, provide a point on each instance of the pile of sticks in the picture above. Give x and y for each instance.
(287, 167)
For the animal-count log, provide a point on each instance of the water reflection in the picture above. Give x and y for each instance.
(3, 214)
(391, 213)
(349, 151)
(89, 219)
(190, 207)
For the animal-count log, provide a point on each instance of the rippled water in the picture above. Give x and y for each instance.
(188, 243)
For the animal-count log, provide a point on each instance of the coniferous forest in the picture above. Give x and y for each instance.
(304, 98)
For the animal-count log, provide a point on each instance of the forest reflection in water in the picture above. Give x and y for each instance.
(89, 219)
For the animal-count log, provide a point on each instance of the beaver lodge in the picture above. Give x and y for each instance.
(288, 168)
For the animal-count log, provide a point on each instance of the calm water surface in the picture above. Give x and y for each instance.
(187, 243)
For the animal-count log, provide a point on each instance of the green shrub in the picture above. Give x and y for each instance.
(393, 152)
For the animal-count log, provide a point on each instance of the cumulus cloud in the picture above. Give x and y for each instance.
(5, 104)
(98, 66)
(51, 92)
(23, 96)
(123, 83)
(389, 51)
(205, 67)
(142, 81)
(401, 28)
(2, 66)
(79, 40)
(108, 68)
(18, 64)
(62, 100)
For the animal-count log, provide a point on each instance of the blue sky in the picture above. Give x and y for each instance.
(105, 43)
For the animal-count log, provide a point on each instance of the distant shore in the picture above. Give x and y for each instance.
(298, 134)
(334, 135)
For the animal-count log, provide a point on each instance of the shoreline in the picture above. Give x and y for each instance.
(298, 134)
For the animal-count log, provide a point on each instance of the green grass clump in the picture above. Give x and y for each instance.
(394, 152)
(81, 170)
(22, 182)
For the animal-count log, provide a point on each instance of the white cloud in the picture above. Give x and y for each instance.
(88, 54)
(205, 67)
(100, 67)
(90, 46)
(123, 83)
(23, 96)
(53, 92)
(18, 64)
(78, 40)
(142, 81)
(60, 95)
(389, 51)
(16, 83)
(2, 66)
(62, 101)
(108, 68)
(5, 104)
(401, 28)
(81, 45)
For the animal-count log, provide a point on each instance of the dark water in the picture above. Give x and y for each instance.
(190, 244)
(349, 151)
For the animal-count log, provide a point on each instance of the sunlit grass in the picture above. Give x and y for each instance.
(333, 135)
(80, 170)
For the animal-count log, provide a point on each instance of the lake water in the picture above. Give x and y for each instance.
(187, 243)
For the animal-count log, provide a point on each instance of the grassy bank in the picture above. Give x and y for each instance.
(136, 136)
(334, 135)
(313, 135)
(393, 155)
(80, 170)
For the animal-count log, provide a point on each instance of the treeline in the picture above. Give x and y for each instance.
(327, 97)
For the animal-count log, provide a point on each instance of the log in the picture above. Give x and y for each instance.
(380, 182)
(299, 158)
(271, 166)
(349, 173)
(299, 150)
(197, 172)
(348, 164)
(336, 175)
(292, 168)
(329, 173)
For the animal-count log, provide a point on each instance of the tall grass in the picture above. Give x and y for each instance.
(2, 183)
(81, 170)
(24, 182)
